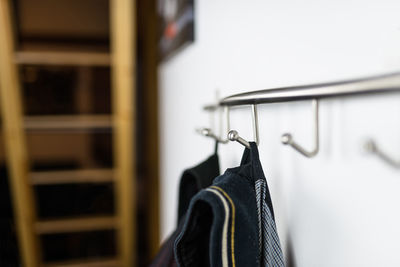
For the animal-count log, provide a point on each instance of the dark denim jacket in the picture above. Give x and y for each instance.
(222, 224)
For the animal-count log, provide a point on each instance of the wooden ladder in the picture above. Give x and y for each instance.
(122, 63)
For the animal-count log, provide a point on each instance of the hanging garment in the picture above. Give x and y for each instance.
(269, 244)
(231, 223)
(192, 181)
(195, 179)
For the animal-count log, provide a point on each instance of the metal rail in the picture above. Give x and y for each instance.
(371, 85)
(366, 86)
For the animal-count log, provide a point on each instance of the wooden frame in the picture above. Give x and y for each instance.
(15, 142)
(123, 51)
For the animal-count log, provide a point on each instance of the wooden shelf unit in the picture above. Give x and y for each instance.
(121, 60)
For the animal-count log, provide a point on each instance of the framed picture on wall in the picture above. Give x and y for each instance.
(176, 20)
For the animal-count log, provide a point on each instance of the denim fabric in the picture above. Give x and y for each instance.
(192, 181)
(221, 228)
(225, 222)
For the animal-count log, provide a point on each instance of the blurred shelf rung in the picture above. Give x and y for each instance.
(95, 223)
(86, 263)
(63, 58)
(65, 122)
(72, 176)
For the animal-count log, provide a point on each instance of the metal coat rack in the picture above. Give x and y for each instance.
(314, 92)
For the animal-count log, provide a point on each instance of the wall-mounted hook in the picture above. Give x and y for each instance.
(209, 133)
(234, 136)
(222, 129)
(254, 114)
(371, 147)
(212, 109)
(287, 138)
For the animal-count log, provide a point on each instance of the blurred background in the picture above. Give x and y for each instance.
(79, 145)
(100, 100)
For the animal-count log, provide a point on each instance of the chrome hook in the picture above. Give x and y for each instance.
(209, 133)
(225, 112)
(287, 138)
(254, 114)
(371, 147)
(233, 135)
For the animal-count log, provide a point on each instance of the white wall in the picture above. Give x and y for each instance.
(340, 208)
